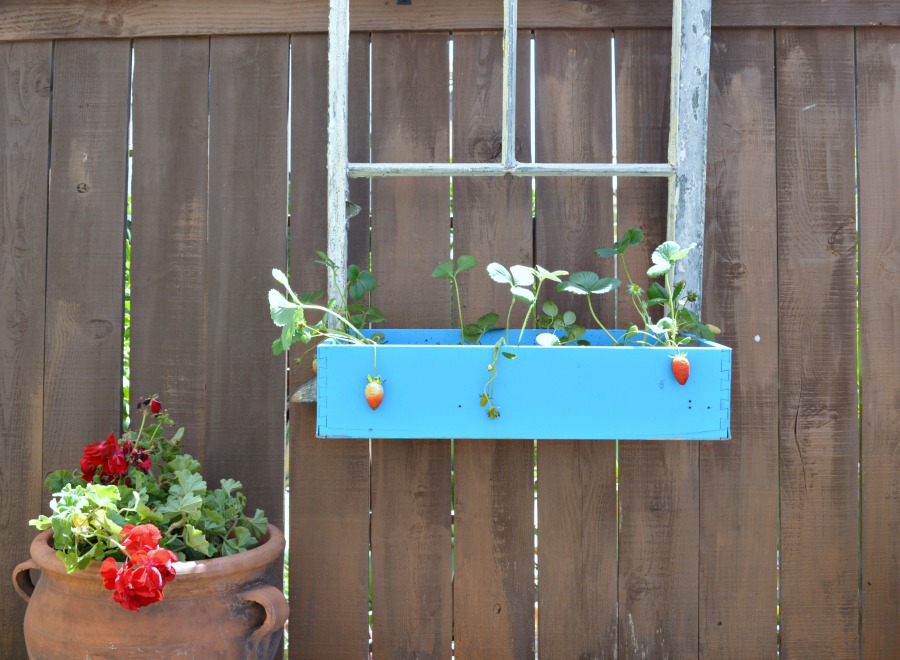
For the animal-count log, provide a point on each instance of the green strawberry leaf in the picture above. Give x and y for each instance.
(444, 270)
(465, 262)
(586, 282)
(499, 274)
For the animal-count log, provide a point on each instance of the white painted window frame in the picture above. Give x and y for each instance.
(686, 169)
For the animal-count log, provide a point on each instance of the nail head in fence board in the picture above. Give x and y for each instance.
(819, 433)
(493, 589)
(247, 234)
(576, 480)
(24, 128)
(329, 496)
(168, 251)
(309, 89)
(329, 542)
(879, 263)
(658, 482)
(739, 479)
(412, 598)
(86, 235)
(27, 19)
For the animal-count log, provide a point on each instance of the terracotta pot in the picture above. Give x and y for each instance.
(228, 607)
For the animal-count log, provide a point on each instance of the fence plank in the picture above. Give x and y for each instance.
(878, 71)
(88, 155)
(24, 127)
(493, 587)
(739, 478)
(412, 609)
(247, 234)
(658, 481)
(27, 19)
(309, 115)
(169, 211)
(576, 480)
(819, 435)
(329, 542)
(329, 511)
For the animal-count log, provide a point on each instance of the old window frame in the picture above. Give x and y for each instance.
(685, 169)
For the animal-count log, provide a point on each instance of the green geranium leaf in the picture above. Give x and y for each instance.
(193, 538)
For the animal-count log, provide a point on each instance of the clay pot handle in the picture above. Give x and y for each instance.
(273, 602)
(22, 579)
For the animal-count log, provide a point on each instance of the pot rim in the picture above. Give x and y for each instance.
(271, 546)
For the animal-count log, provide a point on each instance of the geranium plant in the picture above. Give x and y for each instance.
(138, 504)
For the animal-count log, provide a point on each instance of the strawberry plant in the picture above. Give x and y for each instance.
(664, 309)
(678, 325)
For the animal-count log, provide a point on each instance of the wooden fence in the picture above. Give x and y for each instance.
(786, 537)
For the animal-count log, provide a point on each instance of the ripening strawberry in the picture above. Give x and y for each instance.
(681, 368)
(374, 391)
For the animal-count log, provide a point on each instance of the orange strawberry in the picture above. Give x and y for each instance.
(681, 368)
(374, 391)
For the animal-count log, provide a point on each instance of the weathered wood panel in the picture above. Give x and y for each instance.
(411, 564)
(329, 555)
(24, 127)
(819, 433)
(739, 478)
(85, 247)
(309, 141)
(247, 237)
(329, 480)
(27, 19)
(168, 250)
(878, 94)
(658, 481)
(576, 480)
(493, 587)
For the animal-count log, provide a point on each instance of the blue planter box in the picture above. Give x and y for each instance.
(598, 392)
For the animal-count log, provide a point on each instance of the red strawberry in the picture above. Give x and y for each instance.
(374, 391)
(681, 368)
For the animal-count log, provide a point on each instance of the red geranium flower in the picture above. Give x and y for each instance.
(136, 456)
(140, 538)
(106, 457)
(140, 580)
